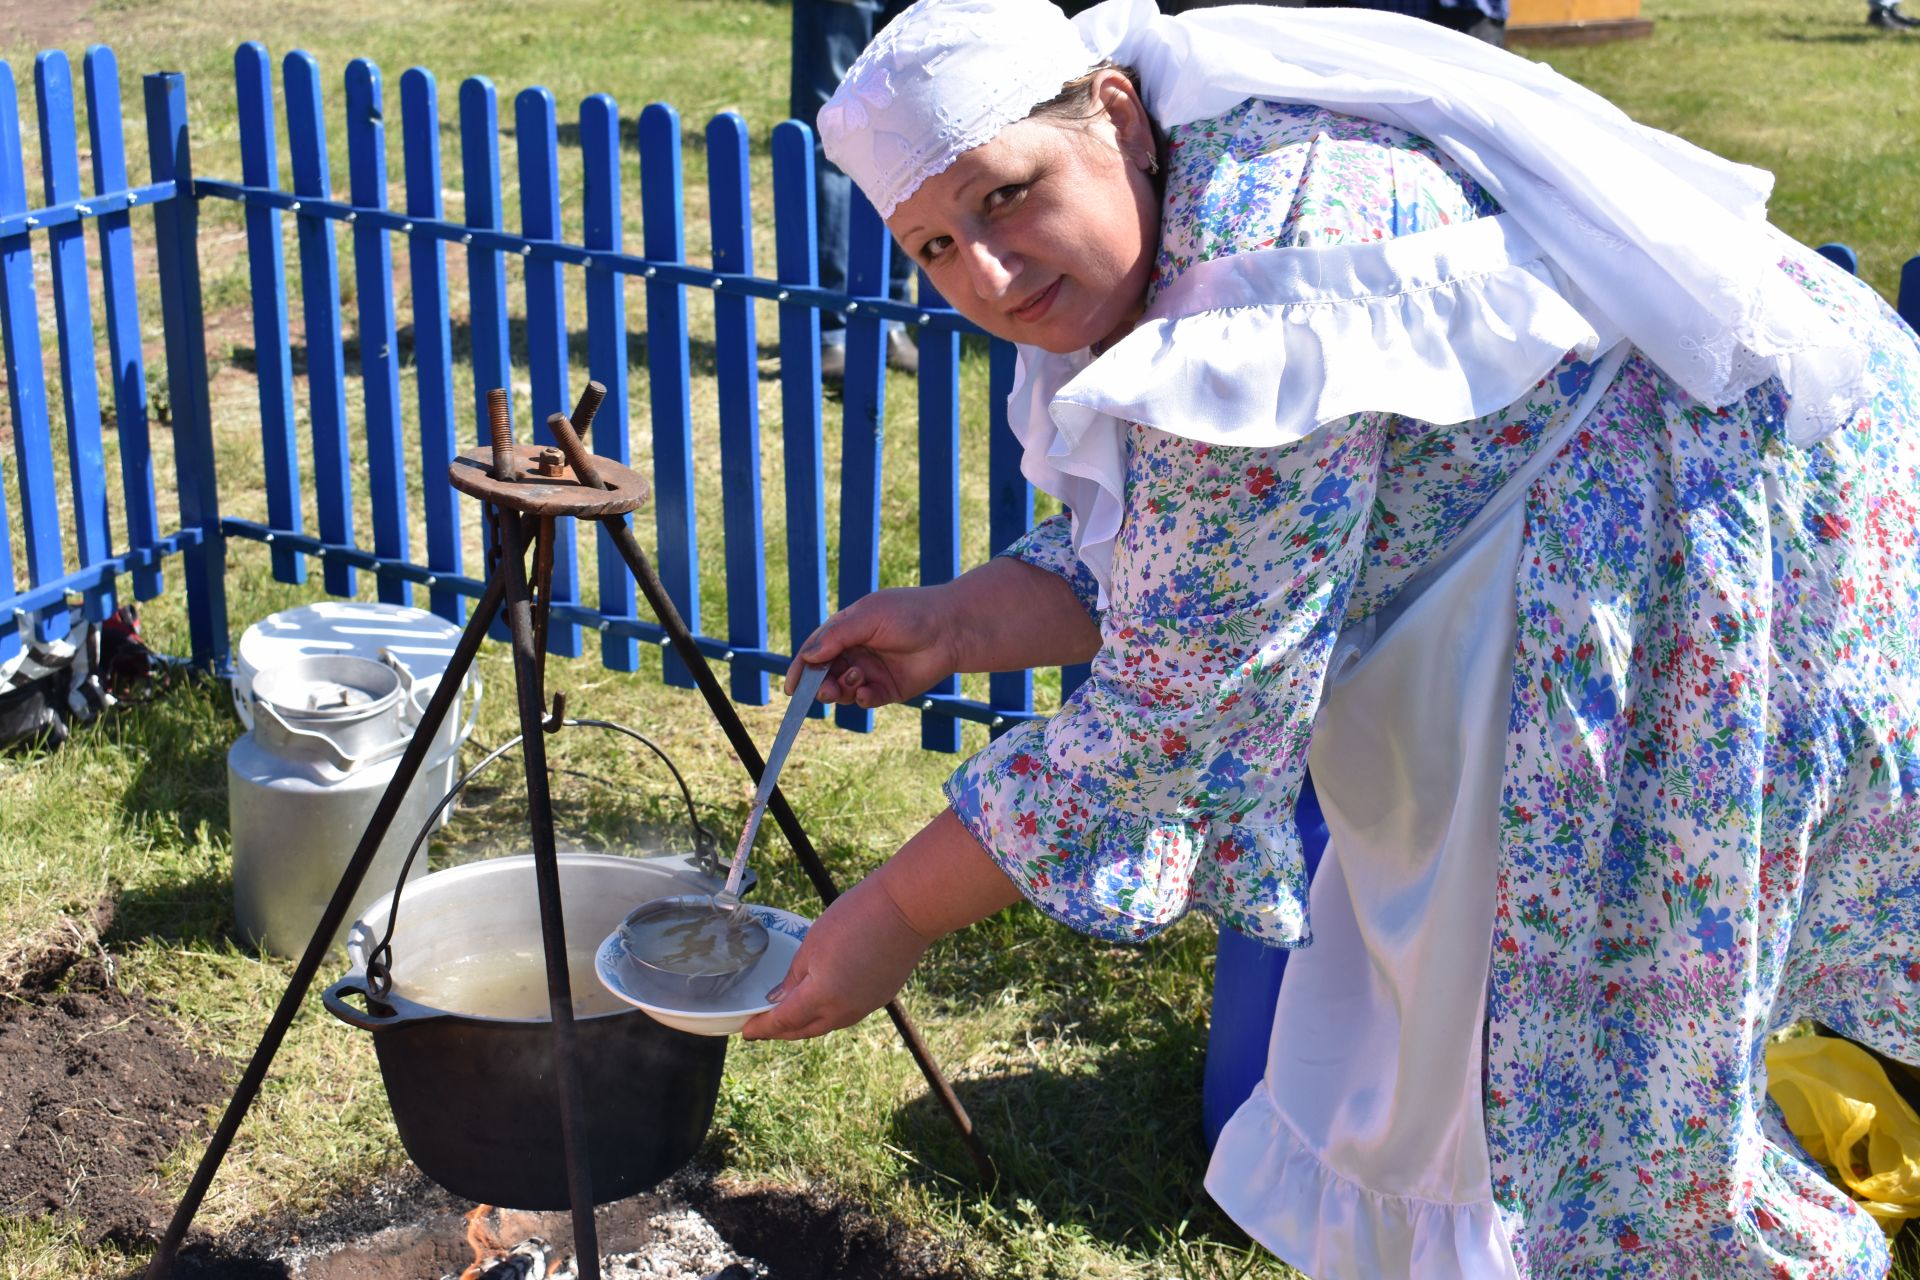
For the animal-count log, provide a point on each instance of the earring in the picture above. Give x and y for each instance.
(1153, 166)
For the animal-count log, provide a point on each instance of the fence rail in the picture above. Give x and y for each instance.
(602, 254)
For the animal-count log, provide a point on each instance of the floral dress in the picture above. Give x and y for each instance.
(1701, 820)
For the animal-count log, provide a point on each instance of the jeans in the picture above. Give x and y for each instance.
(827, 36)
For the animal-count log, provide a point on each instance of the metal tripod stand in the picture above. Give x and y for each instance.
(526, 490)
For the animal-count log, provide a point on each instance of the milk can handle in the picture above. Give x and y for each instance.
(409, 709)
(380, 959)
(339, 759)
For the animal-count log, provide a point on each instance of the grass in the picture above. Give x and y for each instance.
(1080, 1062)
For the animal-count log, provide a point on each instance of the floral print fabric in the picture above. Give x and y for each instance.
(1710, 819)
(1169, 779)
(1711, 800)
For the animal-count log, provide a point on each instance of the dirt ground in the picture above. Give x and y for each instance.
(406, 1228)
(44, 24)
(97, 1089)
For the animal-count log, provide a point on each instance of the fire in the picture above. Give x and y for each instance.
(488, 1228)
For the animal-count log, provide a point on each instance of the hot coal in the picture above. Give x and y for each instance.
(696, 1226)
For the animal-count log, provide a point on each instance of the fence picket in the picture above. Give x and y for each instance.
(862, 426)
(320, 313)
(1009, 512)
(731, 222)
(546, 255)
(73, 325)
(267, 272)
(176, 245)
(432, 336)
(538, 142)
(122, 304)
(486, 268)
(797, 262)
(939, 484)
(9, 150)
(378, 336)
(26, 375)
(607, 351)
(669, 376)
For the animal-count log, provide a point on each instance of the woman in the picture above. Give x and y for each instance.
(1440, 426)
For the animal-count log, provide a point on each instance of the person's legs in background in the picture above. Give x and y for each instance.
(1481, 19)
(1886, 15)
(827, 36)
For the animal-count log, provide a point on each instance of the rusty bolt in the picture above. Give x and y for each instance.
(550, 462)
(587, 406)
(497, 411)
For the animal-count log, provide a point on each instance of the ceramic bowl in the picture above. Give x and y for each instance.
(720, 1015)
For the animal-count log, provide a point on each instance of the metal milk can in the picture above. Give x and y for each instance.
(421, 641)
(327, 736)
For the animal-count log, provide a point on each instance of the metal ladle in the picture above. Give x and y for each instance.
(699, 945)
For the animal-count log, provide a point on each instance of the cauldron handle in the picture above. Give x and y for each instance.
(370, 1019)
(379, 971)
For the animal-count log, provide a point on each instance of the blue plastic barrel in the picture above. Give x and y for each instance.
(1246, 982)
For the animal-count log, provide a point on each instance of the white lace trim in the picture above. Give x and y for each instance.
(1260, 349)
(1310, 1215)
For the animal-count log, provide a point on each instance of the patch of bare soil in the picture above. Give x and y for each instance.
(96, 1089)
(44, 24)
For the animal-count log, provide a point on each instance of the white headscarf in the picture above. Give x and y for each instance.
(1669, 242)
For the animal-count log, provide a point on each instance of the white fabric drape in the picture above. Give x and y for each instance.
(1363, 1152)
(1669, 241)
(1610, 229)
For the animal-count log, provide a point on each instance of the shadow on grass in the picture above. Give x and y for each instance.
(1114, 1154)
(1850, 37)
(181, 782)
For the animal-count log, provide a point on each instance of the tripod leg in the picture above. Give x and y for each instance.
(743, 745)
(331, 919)
(533, 756)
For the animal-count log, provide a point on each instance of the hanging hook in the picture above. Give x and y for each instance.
(559, 716)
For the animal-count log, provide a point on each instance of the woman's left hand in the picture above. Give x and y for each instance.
(852, 961)
(859, 952)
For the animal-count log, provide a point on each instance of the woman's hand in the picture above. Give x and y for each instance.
(883, 648)
(852, 961)
(861, 949)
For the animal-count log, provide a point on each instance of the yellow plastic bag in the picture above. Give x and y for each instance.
(1845, 1112)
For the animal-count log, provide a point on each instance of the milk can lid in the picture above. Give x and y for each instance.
(330, 686)
(422, 641)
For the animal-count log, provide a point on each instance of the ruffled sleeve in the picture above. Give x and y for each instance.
(1169, 779)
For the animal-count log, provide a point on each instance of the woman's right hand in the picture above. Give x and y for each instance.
(883, 648)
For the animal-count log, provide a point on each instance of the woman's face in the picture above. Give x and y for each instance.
(1046, 234)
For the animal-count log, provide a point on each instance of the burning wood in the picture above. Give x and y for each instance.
(494, 1258)
(682, 1246)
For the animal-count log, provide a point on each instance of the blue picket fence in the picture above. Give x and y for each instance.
(173, 193)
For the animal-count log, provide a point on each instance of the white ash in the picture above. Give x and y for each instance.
(682, 1245)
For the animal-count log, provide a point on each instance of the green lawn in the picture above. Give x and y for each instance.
(1081, 1062)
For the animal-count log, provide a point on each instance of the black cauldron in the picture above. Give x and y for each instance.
(474, 1096)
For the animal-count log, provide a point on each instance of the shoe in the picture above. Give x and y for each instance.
(901, 355)
(833, 362)
(1888, 18)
